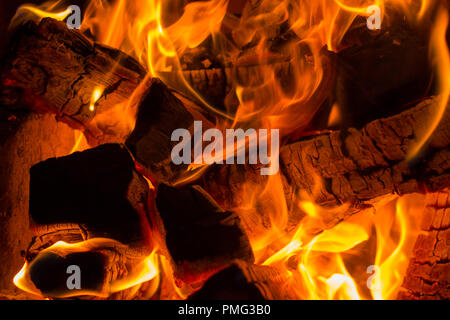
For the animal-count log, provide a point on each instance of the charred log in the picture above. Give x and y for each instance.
(244, 281)
(101, 265)
(19, 150)
(356, 167)
(383, 71)
(159, 114)
(52, 68)
(98, 189)
(200, 237)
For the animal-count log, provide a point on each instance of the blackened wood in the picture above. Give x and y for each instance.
(98, 188)
(200, 237)
(25, 139)
(428, 273)
(381, 72)
(49, 272)
(101, 262)
(49, 67)
(354, 167)
(244, 281)
(160, 113)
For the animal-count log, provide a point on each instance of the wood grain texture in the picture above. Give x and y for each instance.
(354, 167)
(428, 273)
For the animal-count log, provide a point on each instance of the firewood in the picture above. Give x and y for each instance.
(159, 114)
(49, 67)
(101, 265)
(25, 139)
(200, 238)
(428, 273)
(354, 167)
(244, 281)
(98, 189)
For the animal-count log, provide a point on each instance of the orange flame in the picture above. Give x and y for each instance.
(441, 60)
(142, 272)
(282, 95)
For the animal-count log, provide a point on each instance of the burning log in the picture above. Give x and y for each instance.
(99, 267)
(200, 237)
(99, 189)
(356, 167)
(428, 272)
(26, 139)
(52, 68)
(160, 113)
(244, 281)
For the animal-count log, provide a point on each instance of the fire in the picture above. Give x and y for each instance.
(319, 268)
(441, 60)
(320, 263)
(144, 271)
(48, 9)
(95, 96)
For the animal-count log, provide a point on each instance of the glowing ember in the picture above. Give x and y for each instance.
(363, 257)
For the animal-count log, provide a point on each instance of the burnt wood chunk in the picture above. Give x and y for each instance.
(349, 166)
(200, 237)
(243, 281)
(98, 189)
(25, 139)
(51, 68)
(428, 273)
(160, 113)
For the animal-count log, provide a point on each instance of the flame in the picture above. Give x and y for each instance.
(81, 143)
(441, 60)
(95, 97)
(319, 268)
(49, 9)
(144, 271)
(284, 92)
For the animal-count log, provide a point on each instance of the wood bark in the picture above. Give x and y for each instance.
(244, 281)
(428, 273)
(25, 140)
(49, 67)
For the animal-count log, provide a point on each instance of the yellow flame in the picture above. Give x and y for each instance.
(60, 16)
(144, 271)
(441, 59)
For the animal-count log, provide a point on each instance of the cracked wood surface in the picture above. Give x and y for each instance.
(52, 68)
(428, 273)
